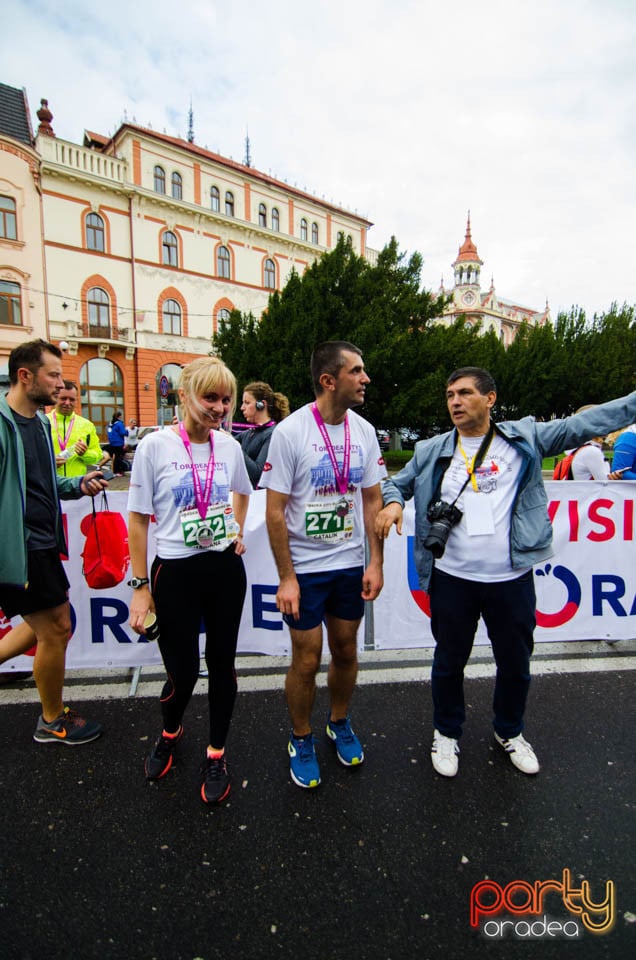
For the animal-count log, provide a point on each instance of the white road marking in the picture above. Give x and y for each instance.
(376, 667)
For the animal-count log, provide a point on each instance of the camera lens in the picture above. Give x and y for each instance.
(437, 537)
(443, 517)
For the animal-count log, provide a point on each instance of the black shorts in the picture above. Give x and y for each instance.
(47, 585)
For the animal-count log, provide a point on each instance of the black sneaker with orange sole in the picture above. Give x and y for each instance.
(69, 728)
(159, 760)
(216, 784)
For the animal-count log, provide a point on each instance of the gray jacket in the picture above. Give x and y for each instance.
(530, 527)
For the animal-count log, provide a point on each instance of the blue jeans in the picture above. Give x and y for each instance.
(508, 609)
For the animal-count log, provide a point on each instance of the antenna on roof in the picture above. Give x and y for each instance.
(190, 124)
(248, 155)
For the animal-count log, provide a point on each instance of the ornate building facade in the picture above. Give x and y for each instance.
(146, 242)
(474, 305)
(22, 298)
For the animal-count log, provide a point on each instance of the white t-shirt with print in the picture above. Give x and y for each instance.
(298, 464)
(478, 547)
(161, 483)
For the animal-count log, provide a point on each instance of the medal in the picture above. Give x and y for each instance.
(201, 497)
(341, 476)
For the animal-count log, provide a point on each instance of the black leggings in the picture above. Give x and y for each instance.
(210, 587)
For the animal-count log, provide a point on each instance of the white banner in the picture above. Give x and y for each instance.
(101, 635)
(587, 591)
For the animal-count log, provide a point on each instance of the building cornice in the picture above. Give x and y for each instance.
(192, 150)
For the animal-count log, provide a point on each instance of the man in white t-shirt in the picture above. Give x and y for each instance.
(323, 476)
(481, 523)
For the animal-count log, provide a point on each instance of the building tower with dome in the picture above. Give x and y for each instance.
(470, 303)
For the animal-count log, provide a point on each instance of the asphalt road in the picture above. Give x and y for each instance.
(377, 864)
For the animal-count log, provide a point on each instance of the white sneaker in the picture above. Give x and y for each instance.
(520, 752)
(444, 754)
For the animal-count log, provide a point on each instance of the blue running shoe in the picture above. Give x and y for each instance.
(348, 747)
(303, 765)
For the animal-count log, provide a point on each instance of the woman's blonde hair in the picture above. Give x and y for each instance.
(208, 375)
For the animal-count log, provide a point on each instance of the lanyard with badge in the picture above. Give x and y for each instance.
(331, 518)
(63, 441)
(207, 526)
(477, 512)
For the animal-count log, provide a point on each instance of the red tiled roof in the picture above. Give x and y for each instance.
(468, 250)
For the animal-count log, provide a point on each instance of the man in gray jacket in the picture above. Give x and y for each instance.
(481, 522)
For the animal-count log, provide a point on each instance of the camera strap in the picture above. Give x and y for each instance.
(477, 462)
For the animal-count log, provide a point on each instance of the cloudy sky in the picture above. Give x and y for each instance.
(411, 112)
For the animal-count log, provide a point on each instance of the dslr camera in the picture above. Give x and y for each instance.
(443, 517)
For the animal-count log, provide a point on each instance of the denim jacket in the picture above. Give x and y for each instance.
(530, 527)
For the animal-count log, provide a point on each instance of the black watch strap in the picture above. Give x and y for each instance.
(138, 582)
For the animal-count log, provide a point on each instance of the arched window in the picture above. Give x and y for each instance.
(303, 229)
(171, 314)
(95, 232)
(275, 219)
(215, 199)
(223, 263)
(314, 233)
(169, 249)
(10, 305)
(167, 405)
(269, 274)
(262, 215)
(177, 186)
(159, 179)
(98, 313)
(8, 222)
(229, 204)
(101, 392)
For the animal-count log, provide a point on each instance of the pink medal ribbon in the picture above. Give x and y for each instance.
(201, 497)
(342, 477)
(63, 443)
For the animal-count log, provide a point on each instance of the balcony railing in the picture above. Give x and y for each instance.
(82, 160)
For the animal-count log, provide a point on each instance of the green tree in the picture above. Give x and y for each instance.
(612, 371)
(342, 296)
(547, 371)
(236, 342)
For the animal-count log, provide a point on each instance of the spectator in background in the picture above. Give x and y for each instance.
(117, 434)
(624, 463)
(75, 442)
(133, 436)
(589, 463)
(263, 409)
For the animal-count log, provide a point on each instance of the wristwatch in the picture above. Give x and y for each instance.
(138, 582)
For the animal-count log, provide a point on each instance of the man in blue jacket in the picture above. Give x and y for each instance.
(33, 583)
(481, 523)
